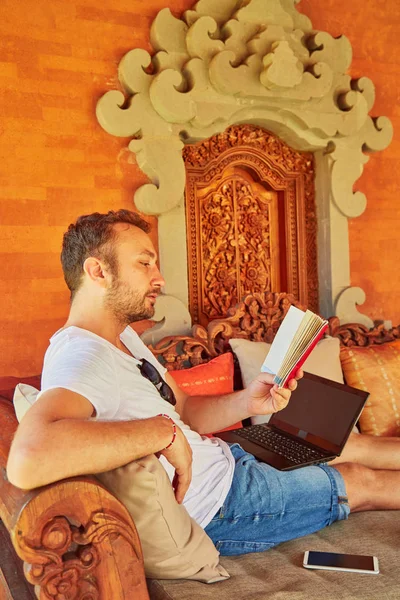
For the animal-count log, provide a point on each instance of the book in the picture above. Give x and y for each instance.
(296, 337)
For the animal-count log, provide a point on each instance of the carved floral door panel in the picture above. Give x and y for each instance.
(239, 241)
(251, 221)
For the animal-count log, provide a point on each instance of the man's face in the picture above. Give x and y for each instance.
(136, 280)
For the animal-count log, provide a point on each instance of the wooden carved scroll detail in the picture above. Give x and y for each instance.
(355, 334)
(62, 559)
(199, 155)
(46, 564)
(256, 318)
(233, 224)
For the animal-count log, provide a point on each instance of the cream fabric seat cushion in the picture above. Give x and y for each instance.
(24, 397)
(174, 545)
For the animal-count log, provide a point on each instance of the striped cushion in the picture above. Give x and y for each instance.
(377, 370)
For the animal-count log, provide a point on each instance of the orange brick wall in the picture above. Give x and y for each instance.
(56, 59)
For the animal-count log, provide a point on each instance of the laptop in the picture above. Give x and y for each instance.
(312, 429)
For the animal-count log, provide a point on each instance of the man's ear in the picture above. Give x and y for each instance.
(95, 270)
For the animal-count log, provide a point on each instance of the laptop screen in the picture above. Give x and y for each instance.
(321, 411)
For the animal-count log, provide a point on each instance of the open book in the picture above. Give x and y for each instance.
(296, 337)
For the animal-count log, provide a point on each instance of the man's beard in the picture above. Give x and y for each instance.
(126, 305)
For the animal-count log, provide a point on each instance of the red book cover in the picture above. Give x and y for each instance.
(306, 353)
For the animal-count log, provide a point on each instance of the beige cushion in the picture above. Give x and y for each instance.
(174, 545)
(324, 361)
(24, 397)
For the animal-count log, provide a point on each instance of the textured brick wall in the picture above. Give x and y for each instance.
(56, 58)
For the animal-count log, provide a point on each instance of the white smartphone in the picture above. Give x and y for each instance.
(355, 563)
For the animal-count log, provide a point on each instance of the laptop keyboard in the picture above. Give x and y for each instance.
(288, 447)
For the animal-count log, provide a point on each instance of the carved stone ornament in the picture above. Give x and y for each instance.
(260, 62)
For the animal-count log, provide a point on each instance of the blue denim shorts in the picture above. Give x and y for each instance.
(265, 507)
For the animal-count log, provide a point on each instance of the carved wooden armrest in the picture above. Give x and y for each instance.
(75, 538)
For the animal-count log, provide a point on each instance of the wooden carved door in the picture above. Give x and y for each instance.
(238, 241)
(251, 223)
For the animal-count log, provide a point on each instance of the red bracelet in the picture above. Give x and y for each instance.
(173, 429)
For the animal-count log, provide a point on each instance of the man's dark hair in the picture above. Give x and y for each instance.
(91, 236)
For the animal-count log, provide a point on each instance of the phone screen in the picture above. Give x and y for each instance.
(343, 561)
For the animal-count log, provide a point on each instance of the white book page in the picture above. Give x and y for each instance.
(282, 340)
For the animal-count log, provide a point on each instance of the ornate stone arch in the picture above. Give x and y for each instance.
(257, 62)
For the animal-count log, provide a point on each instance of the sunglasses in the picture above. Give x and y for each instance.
(150, 372)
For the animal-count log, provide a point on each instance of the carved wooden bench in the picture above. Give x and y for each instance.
(75, 538)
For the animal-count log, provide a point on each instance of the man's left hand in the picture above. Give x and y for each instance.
(265, 398)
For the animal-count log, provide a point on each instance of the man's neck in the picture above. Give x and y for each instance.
(97, 321)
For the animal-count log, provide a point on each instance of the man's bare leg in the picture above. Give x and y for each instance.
(370, 489)
(371, 451)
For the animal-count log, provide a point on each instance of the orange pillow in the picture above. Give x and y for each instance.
(214, 377)
(376, 369)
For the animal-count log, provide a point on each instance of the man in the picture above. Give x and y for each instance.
(104, 403)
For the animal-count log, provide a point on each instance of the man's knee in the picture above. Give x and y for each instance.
(361, 483)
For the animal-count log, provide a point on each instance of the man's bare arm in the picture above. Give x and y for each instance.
(56, 439)
(207, 414)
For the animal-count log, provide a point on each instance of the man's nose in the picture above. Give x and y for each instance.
(157, 279)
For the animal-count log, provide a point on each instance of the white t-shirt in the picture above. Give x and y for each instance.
(89, 365)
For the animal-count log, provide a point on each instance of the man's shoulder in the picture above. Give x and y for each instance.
(77, 356)
(74, 341)
(77, 335)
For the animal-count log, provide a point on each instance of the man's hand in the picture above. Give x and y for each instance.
(179, 455)
(265, 398)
